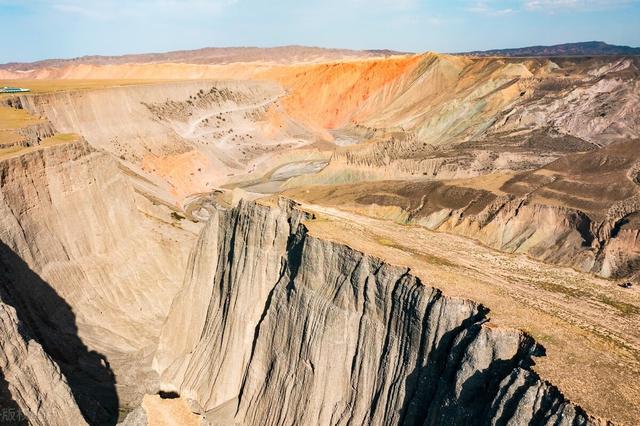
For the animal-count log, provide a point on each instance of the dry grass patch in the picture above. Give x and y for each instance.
(48, 86)
(17, 150)
(11, 120)
(60, 138)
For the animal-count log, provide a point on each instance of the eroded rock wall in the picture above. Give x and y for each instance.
(86, 272)
(551, 233)
(301, 330)
(246, 243)
(32, 387)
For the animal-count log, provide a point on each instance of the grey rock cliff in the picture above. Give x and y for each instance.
(299, 330)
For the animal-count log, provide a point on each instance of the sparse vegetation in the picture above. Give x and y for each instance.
(426, 257)
(61, 138)
(177, 217)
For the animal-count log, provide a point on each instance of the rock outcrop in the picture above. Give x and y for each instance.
(313, 332)
(87, 273)
(579, 211)
(33, 390)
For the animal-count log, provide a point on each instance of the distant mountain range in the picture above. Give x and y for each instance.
(215, 55)
(304, 54)
(589, 48)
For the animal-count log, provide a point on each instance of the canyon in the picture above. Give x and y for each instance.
(309, 236)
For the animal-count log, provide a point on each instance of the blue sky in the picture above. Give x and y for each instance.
(39, 29)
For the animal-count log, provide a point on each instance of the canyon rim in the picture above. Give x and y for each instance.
(312, 236)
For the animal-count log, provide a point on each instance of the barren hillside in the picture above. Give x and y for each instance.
(242, 236)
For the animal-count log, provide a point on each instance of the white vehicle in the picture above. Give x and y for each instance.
(13, 90)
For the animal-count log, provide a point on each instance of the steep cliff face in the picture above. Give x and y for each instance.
(69, 232)
(313, 332)
(32, 386)
(247, 244)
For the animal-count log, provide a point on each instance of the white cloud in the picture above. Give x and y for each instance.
(555, 5)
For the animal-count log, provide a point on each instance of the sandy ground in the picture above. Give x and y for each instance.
(587, 325)
(168, 412)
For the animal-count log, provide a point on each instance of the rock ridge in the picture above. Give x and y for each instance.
(323, 334)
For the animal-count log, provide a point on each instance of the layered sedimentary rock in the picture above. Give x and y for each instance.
(549, 232)
(34, 134)
(454, 117)
(441, 100)
(313, 332)
(579, 211)
(270, 325)
(86, 272)
(32, 387)
(183, 138)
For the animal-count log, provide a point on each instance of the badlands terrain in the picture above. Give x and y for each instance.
(310, 236)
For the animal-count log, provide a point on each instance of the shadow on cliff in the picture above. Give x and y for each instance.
(51, 322)
(432, 396)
